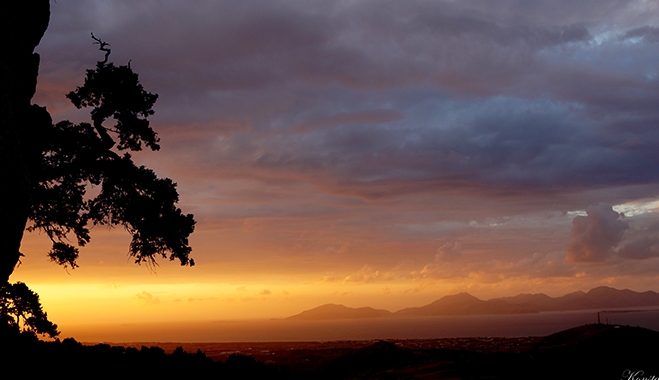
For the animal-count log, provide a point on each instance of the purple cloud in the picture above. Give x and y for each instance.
(595, 235)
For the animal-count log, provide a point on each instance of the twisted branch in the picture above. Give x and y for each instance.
(103, 47)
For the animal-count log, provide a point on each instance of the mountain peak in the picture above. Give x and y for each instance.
(600, 289)
(463, 295)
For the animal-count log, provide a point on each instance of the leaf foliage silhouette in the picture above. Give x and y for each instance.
(21, 309)
(67, 159)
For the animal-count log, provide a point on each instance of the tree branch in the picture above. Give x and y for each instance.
(103, 47)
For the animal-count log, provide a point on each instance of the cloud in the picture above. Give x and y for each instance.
(146, 299)
(367, 274)
(641, 241)
(265, 292)
(390, 125)
(447, 96)
(448, 252)
(330, 279)
(643, 247)
(594, 236)
(647, 33)
(364, 117)
(536, 266)
(605, 233)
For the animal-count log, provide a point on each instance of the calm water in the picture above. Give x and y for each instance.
(361, 329)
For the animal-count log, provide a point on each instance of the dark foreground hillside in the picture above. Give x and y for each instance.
(594, 351)
(24, 356)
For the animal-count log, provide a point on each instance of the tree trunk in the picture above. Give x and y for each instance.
(22, 24)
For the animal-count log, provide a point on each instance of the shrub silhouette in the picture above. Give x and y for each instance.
(20, 309)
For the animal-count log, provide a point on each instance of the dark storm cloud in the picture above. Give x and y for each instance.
(248, 45)
(506, 144)
(513, 118)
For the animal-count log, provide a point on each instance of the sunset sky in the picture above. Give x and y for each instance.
(371, 153)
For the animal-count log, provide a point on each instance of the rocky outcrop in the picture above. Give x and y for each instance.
(22, 25)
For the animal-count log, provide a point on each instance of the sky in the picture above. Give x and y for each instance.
(371, 153)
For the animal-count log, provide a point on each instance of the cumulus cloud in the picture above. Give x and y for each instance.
(265, 292)
(595, 236)
(146, 299)
(604, 233)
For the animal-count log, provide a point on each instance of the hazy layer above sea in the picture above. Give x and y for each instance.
(516, 325)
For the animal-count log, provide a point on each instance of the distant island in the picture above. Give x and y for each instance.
(333, 311)
(602, 297)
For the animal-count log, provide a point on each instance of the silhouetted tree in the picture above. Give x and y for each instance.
(68, 157)
(46, 168)
(21, 309)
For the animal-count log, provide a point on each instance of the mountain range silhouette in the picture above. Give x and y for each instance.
(602, 297)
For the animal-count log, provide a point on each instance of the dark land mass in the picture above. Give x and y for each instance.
(597, 298)
(333, 311)
(465, 304)
(595, 351)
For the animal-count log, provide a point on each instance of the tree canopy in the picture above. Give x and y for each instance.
(67, 158)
